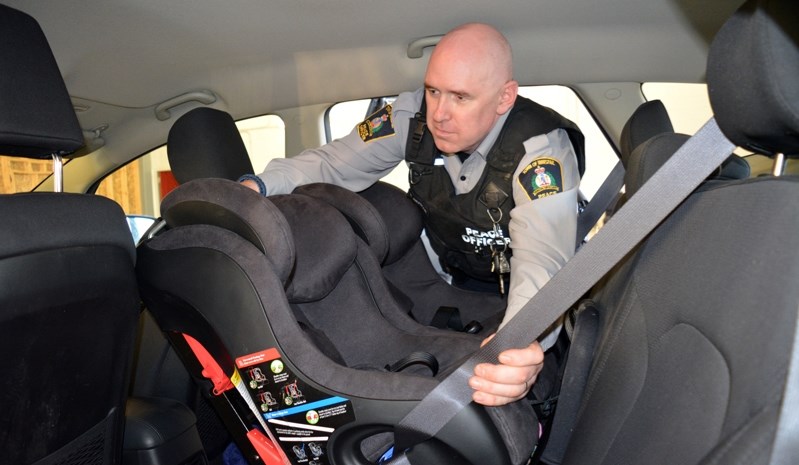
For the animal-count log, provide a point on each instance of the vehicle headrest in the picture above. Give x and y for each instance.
(205, 143)
(752, 72)
(647, 121)
(650, 155)
(403, 219)
(366, 221)
(325, 244)
(230, 205)
(38, 119)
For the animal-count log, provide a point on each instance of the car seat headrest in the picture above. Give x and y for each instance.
(650, 155)
(403, 219)
(325, 245)
(366, 221)
(205, 143)
(647, 121)
(752, 72)
(230, 205)
(38, 119)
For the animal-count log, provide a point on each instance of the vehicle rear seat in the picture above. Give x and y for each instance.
(697, 324)
(650, 124)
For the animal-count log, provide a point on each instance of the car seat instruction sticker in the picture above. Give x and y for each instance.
(299, 417)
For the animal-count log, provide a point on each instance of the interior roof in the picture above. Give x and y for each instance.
(275, 54)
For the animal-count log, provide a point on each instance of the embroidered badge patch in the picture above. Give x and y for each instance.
(541, 178)
(377, 126)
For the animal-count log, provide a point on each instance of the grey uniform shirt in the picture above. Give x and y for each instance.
(542, 230)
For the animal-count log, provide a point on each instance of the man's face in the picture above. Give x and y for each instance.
(463, 103)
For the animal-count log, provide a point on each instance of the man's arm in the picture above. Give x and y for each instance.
(544, 221)
(356, 161)
(542, 229)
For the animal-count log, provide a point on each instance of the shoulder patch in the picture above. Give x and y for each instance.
(377, 125)
(541, 178)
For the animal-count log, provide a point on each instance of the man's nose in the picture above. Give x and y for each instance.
(440, 110)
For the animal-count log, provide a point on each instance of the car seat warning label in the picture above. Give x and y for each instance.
(299, 417)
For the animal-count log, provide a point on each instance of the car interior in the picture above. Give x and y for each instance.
(311, 327)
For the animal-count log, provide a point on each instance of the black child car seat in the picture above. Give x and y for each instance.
(283, 294)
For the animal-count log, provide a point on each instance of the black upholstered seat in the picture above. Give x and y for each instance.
(698, 323)
(68, 295)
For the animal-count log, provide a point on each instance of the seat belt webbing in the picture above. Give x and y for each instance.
(666, 189)
(575, 378)
(600, 202)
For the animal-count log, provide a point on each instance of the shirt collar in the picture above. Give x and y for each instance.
(488, 142)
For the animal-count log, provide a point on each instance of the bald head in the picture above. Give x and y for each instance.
(469, 85)
(484, 47)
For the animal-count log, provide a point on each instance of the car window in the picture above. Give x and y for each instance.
(140, 185)
(687, 104)
(22, 174)
(600, 155)
(689, 108)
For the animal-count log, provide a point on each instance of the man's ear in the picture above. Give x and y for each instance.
(507, 96)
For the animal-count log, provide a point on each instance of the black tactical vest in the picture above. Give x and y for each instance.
(461, 228)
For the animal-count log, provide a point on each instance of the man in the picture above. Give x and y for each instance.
(484, 165)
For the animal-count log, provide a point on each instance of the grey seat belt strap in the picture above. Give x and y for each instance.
(785, 449)
(600, 202)
(666, 189)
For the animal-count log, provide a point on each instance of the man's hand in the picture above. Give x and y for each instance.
(508, 381)
(251, 184)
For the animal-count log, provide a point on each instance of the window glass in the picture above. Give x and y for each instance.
(140, 185)
(342, 118)
(19, 174)
(689, 109)
(600, 155)
(687, 104)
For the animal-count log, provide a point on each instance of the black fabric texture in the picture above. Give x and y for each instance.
(679, 376)
(37, 118)
(403, 219)
(37, 221)
(648, 157)
(70, 305)
(751, 76)
(264, 306)
(365, 220)
(205, 143)
(391, 217)
(415, 276)
(647, 121)
(324, 245)
(235, 207)
(409, 272)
